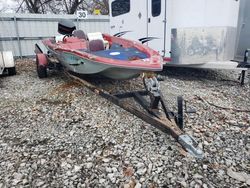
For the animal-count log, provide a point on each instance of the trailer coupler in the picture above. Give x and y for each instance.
(190, 145)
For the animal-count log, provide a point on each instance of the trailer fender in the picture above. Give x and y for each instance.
(41, 60)
(41, 65)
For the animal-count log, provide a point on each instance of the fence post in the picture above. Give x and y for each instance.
(18, 38)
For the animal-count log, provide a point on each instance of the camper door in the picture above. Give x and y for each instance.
(157, 25)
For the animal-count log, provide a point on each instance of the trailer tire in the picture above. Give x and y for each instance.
(12, 71)
(42, 71)
(180, 115)
(41, 65)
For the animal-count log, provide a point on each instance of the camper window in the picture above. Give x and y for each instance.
(120, 7)
(156, 8)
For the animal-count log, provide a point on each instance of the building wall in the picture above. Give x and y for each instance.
(20, 32)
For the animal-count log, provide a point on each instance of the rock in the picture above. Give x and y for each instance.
(15, 181)
(140, 165)
(105, 160)
(169, 175)
(112, 178)
(197, 176)
(89, 165)
(25, 181)
(34, 166)
(240, 176)
(18, 176)
(108, 169)
(126, 186)
(150, 166)
(65, 165)
(248, 182)
(129, 171)
(73, 177)
(39, 183)
(138, 185)
(131, 184)
(197, 186)
(205, 185)
(77, 168)
(102, 181)
(204, 167)
(42, 161)
(221, 173)
(114, 169)
(228, 162)
(141, 171)
(206, 143)
(183, 184)
(178, 164)
(71, 133)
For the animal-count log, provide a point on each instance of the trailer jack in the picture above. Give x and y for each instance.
(151, 109)
(244, 64)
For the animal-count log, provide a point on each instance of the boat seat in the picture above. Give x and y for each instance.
(98, 36)
(95, 36)
(79, 34)
(96, 45)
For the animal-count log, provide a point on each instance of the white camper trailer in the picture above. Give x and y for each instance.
(196, 33)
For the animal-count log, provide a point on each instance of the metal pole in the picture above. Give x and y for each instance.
(18, 38)
(1, 42)
(77, 22)
(243, 74)
(246, 55)
(2, 65)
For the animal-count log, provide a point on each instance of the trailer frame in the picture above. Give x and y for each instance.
(155, 111)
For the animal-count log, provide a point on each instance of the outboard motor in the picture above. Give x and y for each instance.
(66, 27)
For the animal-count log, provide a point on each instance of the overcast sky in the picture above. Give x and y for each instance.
(8, 5)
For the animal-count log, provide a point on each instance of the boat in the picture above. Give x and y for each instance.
(98, 53)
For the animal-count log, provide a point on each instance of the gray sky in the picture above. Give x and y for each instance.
(8, 5)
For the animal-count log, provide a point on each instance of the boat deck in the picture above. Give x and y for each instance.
(121, 54)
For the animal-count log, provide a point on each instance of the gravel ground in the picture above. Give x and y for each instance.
(55, 133)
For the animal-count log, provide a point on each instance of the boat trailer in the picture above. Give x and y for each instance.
(155, 112)
(148, 104)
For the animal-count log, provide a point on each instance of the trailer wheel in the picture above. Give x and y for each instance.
(12, 71)
(41, 65)
(180, 116)
(41, 71)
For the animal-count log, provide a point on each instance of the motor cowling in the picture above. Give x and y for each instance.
(66, 27)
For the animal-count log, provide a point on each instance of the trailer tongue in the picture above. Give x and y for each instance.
(155, 111)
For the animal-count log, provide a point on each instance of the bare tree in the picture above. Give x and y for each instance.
(72, 5)
(33, 6)
(103, 5)
(90, 6)
(2, 9)
(62, 6)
